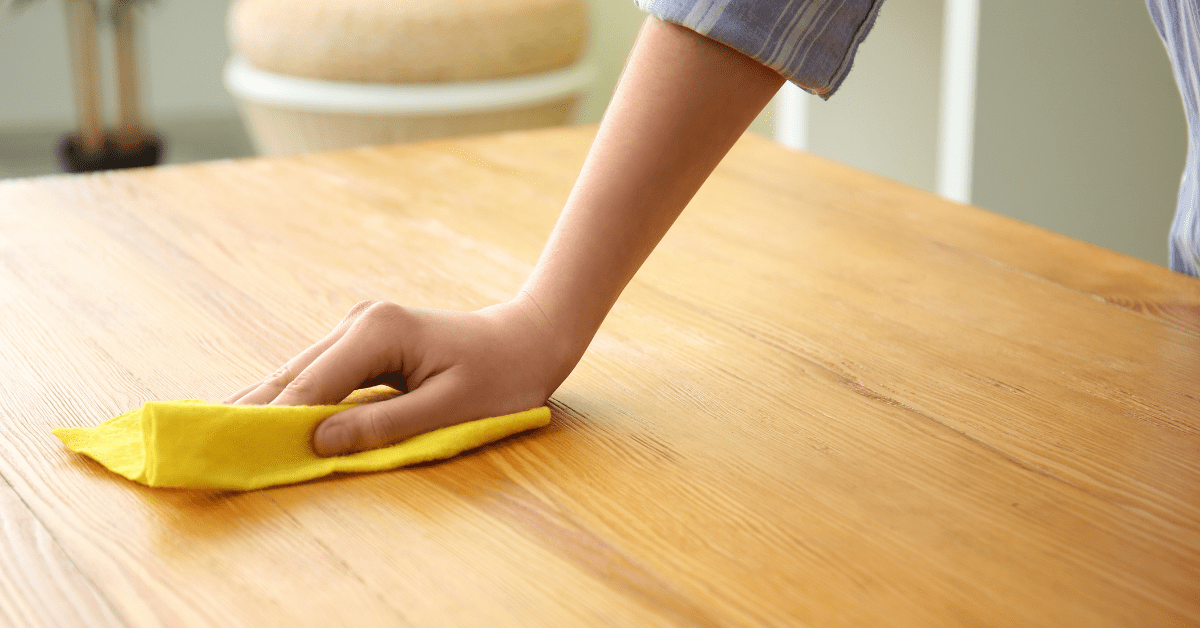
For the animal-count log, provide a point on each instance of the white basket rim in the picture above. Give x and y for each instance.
(247, 82)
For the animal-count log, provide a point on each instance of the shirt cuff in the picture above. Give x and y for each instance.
(810, 42)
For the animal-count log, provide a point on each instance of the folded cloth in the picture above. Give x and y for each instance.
(194, 444)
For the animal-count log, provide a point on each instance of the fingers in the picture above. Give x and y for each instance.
(269, 389)
(361, 350)
(455, 367)
(384, 423)
(241, 393)
(374, 346)
(335, 373)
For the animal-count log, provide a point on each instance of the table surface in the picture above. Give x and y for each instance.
(827, 399)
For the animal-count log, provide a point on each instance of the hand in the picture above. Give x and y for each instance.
(453, 367)
(682, 102)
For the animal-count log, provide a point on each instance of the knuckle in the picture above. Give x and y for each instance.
(281, 378)
(384, 318)
(303, 386)
(375, 428)
(359, 308)
(386, 310)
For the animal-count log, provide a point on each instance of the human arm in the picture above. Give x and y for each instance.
(682, 102)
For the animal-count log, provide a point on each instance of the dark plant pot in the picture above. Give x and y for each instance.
(74, 159)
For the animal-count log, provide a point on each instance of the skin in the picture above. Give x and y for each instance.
(682, 102)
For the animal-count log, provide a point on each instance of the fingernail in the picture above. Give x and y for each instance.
(331, 439)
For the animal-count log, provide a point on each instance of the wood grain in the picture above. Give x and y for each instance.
(40, 585)
(827, 399)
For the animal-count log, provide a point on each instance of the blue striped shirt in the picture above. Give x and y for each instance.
(1178, 23)
(812, 43)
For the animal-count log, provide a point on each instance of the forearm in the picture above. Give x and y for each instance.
(682, 102)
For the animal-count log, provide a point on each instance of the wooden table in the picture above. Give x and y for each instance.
(827, 400)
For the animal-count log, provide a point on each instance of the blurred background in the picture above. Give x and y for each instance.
(1078, 124)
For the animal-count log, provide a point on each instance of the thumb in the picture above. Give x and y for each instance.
(383, 423)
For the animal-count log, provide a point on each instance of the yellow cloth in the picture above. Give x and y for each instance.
(194, 444)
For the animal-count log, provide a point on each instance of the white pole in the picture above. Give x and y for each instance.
(956, 133)
(791, 116)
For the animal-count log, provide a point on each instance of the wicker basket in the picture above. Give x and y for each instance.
(313, 76)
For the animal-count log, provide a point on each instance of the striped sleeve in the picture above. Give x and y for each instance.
(810, 42)
(1178, 22)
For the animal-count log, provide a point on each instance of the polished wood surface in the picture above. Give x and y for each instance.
(826, 400)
